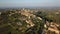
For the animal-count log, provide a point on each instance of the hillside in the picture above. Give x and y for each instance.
(25, 21)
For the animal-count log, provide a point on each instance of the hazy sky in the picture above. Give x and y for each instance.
(24, 3)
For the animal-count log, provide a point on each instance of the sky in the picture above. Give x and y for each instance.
(27, 3)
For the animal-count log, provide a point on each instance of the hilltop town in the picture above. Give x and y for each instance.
(29, 21)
